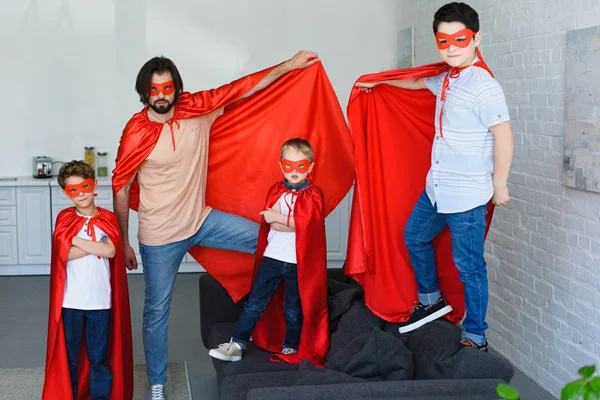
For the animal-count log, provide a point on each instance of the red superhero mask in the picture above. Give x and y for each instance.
(460, 39)
(298, 166)
(166, 88)
(86, 186)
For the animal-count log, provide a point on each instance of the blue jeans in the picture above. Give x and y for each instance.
(467, 231)
(97, 331)
(221, 231)
(268, 278)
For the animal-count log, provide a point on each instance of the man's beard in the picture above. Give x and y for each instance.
(162, 109)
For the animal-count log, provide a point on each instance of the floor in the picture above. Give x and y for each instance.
(24, 316)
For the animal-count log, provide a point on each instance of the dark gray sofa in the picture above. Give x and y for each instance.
(368, 358)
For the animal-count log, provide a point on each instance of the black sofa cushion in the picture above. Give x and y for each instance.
(473, 364)
(431, 343)
(340, 296)
(375, 356)
(356, 321)
(437, 354)
(308, 374)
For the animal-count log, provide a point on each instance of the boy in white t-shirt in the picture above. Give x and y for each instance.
(81, 296)
(294, 252)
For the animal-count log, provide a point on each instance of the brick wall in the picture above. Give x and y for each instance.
(543, 251)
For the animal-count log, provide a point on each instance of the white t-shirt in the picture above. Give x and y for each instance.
(88, 278)
(282, 245)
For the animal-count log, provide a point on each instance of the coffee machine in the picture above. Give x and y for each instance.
(42, 167)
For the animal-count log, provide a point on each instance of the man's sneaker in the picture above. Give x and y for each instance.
(227, 351)
(423, 314)
(288, 351)
(156, 392)
(470, 343)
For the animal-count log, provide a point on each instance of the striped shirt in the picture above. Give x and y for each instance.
(462, 157)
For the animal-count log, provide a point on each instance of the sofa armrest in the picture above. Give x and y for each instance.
(430, 389)
(215, 305)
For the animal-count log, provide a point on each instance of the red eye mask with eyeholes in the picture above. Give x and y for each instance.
(86, 186)
(298, 166)
(166, 88)
(460, 39)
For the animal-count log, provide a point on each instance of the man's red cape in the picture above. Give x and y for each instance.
(311, 261)
(57, 381)
(393, 131)
(244, 151)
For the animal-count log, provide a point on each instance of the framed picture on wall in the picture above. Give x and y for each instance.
(581, 161)
(406, 48)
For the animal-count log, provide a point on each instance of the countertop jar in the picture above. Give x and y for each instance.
(90, 156)
(101, 161)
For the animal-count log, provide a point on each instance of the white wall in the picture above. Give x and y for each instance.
(69, 67)
(544, 248)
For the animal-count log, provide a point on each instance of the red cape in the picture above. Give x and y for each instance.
(57, 383)
(393, 132)
(248, 138)
(311, 259)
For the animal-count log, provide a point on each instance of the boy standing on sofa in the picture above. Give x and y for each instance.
(89, 299)
(470, 161)
(291, 248)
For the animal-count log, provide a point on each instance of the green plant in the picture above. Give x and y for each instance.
(587, 387)
(507, 392)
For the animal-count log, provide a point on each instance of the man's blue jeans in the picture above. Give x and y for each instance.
(268, 278)
(96, 324)
(221, 231)
(467, 231)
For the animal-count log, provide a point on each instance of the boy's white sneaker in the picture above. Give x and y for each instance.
(231, 351)
(288, 351)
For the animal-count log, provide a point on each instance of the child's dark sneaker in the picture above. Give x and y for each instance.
(470, 343)
(423, 314)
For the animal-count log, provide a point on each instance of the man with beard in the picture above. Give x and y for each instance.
(163, 154)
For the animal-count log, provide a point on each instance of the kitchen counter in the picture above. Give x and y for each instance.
(26, 181)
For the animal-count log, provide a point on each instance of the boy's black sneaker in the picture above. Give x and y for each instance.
(423, 314)
(470, 343)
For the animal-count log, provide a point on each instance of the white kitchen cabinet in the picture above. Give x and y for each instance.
(9, 251)
(33, 225)
(8, 246)
(7, 196)
(8, 215)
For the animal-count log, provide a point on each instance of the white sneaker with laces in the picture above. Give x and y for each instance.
(231, 351)
(288, 351)
(156, 392)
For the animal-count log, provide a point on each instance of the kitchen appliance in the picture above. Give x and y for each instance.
(42, 167)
